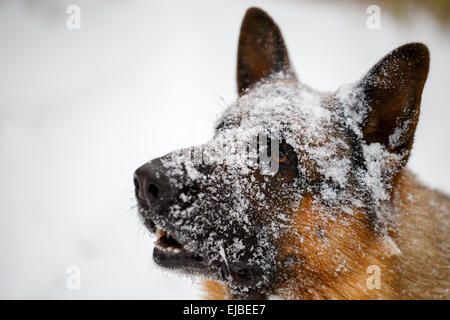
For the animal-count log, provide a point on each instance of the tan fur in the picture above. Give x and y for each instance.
(216, 291)
(422, 236)
(332, 254)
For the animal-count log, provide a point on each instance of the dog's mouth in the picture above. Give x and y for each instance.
(170, 253)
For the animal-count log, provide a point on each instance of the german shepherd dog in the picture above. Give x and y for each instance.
(303, 194)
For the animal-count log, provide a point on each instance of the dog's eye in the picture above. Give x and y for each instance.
(282, 157)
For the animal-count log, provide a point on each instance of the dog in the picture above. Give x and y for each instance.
(303, 194)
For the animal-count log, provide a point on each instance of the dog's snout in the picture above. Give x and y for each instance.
(152, 184)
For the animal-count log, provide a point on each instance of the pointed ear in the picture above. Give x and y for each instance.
(393, 91)
(261, 49)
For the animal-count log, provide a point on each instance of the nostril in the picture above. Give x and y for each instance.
(153, 190)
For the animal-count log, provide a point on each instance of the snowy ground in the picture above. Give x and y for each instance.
(81, 110)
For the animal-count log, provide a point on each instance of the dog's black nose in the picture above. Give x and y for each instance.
(152, 184)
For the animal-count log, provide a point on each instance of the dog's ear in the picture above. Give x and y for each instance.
(261, 49)
(393, 91)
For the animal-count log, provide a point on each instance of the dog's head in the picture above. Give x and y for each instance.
(226, 209)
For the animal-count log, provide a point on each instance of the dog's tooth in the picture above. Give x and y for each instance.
(159, 233)
(170, 249)
(176, 250)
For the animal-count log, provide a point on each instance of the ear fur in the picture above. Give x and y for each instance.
(393, 91)
(261, 50)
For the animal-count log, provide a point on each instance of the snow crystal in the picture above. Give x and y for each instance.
(395, 139)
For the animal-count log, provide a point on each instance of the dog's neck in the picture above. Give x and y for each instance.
(350, 251)
(406, 260)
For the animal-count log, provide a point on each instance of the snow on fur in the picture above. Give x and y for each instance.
(223, 200)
